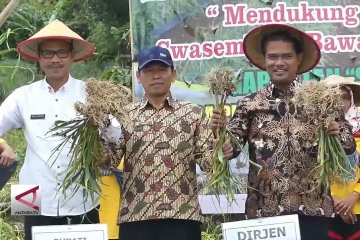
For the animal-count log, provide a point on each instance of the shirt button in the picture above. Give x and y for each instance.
(56, 99)
(58, 166)
(56, 115)
(58, 184)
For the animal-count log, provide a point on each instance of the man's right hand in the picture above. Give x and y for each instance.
(8, 156)
(218, 120)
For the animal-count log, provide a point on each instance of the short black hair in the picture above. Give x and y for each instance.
(281, 36)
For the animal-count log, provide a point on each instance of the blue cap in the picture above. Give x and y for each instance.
(155, 54)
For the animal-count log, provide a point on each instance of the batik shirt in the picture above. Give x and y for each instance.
(285, 146)
(161, 150)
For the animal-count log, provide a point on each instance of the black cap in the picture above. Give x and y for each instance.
(155, 54)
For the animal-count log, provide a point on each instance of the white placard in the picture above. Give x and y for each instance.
(210, 204)
(78, 232)
(278, 228)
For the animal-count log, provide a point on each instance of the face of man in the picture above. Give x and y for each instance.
(156, 78)
(55, 59)
(281, 62)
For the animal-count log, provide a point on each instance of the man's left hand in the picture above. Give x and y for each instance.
(228, 149)
(333, 129)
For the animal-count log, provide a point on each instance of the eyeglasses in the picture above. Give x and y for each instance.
(48, 54)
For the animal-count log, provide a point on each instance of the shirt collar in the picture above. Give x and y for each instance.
(169, 100)
(63, 88)
(276, 91)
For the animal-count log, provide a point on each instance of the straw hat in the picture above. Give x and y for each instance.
(56, 30)
(335, 80)
(252, 46)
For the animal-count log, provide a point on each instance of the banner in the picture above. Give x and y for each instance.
(203, 34)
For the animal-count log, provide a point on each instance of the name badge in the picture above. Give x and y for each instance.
(162, 145)
(37, 116)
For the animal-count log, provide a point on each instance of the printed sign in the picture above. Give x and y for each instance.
(277, 228)
(70, 232)
(201, 35)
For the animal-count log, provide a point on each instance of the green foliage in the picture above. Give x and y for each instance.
(3, 4)
(9, 232)
(110, 41)
(212, 228)
(119, 75)
(22, 24)
(8, 69)
(86, 70)
(105, 24)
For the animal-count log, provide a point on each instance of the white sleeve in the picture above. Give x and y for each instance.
(10, 115)
(113, 132)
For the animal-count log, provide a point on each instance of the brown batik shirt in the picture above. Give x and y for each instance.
(285, 147)
(161, 150)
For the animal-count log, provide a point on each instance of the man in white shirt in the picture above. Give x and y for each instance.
(35, 108)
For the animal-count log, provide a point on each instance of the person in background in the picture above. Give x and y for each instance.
(347, 196)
